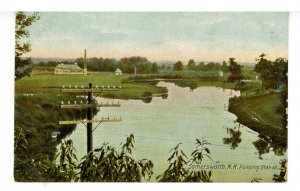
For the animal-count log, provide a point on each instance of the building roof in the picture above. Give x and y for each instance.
(118, 70)
(68, 66)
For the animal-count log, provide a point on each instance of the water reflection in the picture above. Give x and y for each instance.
(191, 84)
(279, 150)
(164, 96)
(234, 139)
(263, 146)
(146, 97)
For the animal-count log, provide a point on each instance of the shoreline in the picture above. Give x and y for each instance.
(270, 133)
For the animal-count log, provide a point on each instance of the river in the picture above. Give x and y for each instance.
(181, 117)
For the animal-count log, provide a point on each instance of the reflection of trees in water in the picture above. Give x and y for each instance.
(191, 84)
(279, 150)
(147, 100)
(282, 176)
(146, 97)
(265, 145)
(234, 139)
(164, 96)
(261, 146)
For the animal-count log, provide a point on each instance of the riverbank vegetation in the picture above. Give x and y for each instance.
(264, 108)
(110, 164)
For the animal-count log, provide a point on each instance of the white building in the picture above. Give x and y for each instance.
(68, 69)
(118, 72)
(221, 74)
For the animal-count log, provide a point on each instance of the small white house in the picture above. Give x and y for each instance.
(118, 72)
(221, 74)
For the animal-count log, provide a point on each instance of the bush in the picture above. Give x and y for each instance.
(234, 77)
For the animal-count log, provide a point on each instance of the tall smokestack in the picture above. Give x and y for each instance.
(84, 63)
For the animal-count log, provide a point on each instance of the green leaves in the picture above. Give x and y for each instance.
(23, 67)
(106, 164)
(178, 170)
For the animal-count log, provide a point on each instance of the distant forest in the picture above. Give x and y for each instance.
(127, 64)
(142, 64)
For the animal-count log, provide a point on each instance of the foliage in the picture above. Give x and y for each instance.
(272, 73)
(104, 164)
(234, 139)
(224, 67)
(191, 65)
(274, 76)
(234, 77)
(235, 70)
(23, 67)
(107, 165)
(282, 176)
(154, 68)
(178, 162)
(36, 117)
(178, 66)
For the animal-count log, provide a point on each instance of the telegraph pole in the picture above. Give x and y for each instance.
(90, 117)
(90, 105)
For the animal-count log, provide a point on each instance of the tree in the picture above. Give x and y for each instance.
(178, 66)
(272, 73)
(224, 66)
(234, 67)
(200, 66)
(235, 70)
(23, 67)
(191, 64)
(154, 68)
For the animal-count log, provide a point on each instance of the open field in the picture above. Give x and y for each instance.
(51, 84)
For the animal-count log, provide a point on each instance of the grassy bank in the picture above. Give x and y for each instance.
(51, 84)
(259, 113)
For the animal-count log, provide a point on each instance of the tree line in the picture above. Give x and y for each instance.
(201, 66)
(129, 65)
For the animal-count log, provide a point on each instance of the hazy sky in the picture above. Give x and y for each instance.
(206, 36)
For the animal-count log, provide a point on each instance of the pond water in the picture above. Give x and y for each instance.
(181, 117)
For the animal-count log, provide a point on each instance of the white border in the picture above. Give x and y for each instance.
(7, 100)
(151, 5)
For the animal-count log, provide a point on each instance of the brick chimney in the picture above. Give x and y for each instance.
(84, 64)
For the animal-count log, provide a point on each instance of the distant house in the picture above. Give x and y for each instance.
(68, 69)
(118, 72)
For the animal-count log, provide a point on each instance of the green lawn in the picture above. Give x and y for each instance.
(259, 114)
(265, 106)
(51, 84)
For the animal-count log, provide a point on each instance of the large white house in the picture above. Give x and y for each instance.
(68, 69)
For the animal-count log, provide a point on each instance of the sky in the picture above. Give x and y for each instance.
(161, 36)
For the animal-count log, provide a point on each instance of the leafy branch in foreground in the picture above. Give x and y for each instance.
(104, 164)
(178, 170)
